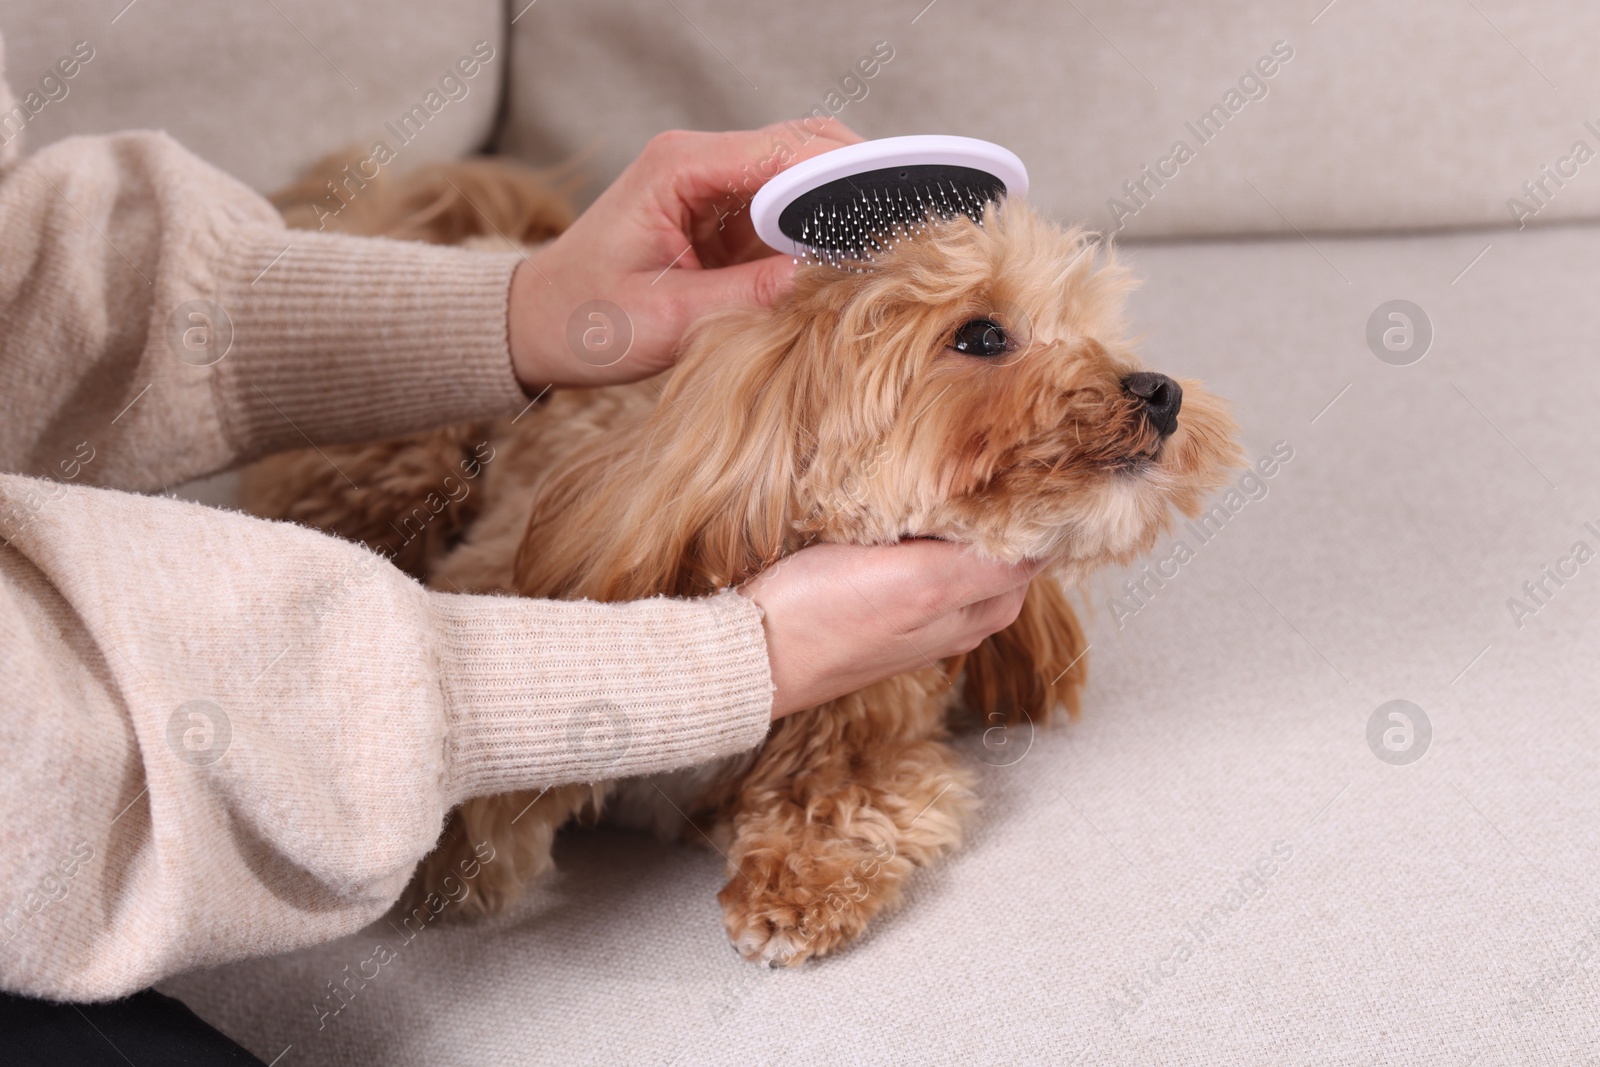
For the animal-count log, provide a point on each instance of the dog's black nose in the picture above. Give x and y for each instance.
(1162, 398)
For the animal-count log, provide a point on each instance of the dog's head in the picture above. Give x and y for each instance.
(972, 383)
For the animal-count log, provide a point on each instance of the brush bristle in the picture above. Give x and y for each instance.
(846, 223)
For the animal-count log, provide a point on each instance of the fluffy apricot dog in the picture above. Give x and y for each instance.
(972, 384)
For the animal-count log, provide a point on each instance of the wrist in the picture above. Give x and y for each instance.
(530, 320)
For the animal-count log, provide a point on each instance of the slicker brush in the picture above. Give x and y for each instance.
(843, 206)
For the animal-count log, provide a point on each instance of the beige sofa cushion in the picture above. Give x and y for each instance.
(261, 89)
(1212, 866)
(1426, 113)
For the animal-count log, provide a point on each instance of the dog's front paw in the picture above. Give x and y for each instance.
(777, 917)
(766, 942)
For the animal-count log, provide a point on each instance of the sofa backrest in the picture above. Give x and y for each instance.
(261, 89)
(1309, 115)
(1152, 118)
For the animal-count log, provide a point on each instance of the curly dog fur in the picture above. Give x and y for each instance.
(840, 414)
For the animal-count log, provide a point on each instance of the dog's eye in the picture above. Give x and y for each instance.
(980, 337)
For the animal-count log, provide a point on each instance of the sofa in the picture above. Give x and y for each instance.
(1334, 796)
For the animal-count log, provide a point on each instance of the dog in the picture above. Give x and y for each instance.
(972, 384)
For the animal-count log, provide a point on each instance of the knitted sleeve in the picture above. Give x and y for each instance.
(158, 312)
(225, 736)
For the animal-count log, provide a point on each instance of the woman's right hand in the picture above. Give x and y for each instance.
(840, 617)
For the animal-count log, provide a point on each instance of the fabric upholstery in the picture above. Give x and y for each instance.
(1435, 913)
(1432, 913)
(1432, 113)
(262, 90)
(1423, 114)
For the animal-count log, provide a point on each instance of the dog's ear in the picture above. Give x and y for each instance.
(1026, 670)
(700, 494)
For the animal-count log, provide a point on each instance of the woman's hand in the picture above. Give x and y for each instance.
(608, 300)
(840, 617)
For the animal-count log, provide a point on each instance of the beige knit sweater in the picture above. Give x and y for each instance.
(223, 736)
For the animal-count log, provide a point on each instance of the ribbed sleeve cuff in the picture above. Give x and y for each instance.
(338, 338)
(541, 693)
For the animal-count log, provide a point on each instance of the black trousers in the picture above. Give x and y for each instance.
(146, 1030)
